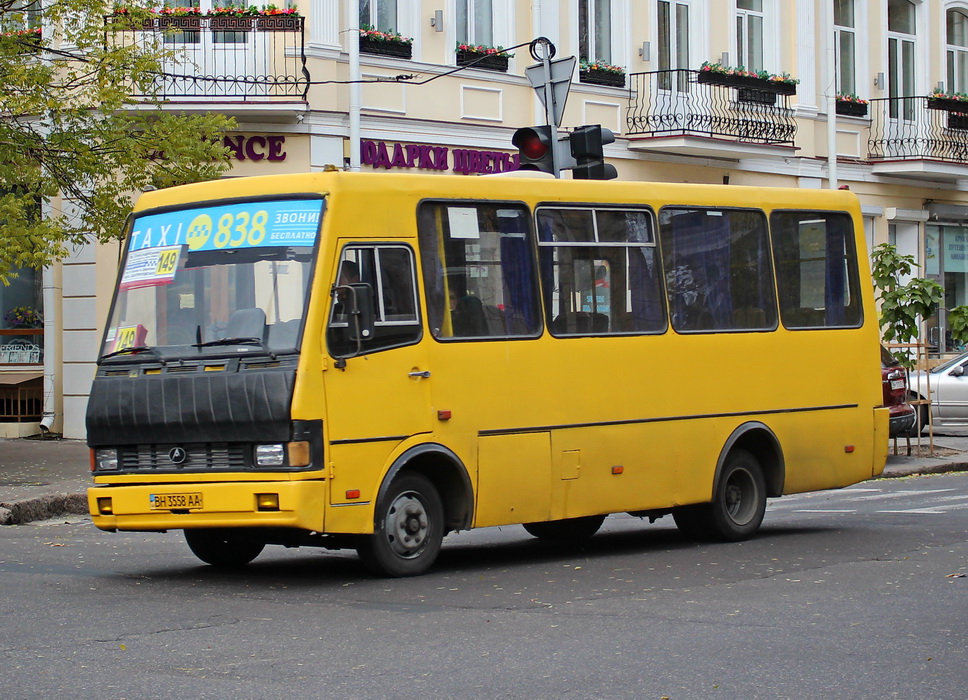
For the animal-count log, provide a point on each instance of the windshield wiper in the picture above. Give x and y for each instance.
(250, 340)
(133, 349)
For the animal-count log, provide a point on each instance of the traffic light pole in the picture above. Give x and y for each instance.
(543, 50)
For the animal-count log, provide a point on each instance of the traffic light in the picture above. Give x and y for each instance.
(536, 146)
(586, 147)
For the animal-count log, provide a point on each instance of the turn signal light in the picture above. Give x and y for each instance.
(299, 454)
(105, 506)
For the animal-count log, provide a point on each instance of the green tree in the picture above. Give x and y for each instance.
(903, 306)
(71, 131)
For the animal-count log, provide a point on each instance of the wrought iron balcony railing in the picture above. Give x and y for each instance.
(698, 103)
(908, 128)
(225, 57)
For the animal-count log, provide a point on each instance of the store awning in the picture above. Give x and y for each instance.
(17, 378)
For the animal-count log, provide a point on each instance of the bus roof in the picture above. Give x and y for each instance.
(420, 186)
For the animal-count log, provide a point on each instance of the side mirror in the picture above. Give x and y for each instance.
(957, 371)
(362, 319)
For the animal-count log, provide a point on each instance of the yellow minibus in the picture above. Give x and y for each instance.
(371, 361)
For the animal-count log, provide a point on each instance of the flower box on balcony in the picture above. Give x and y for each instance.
(280, 23)
(851, 109)
(179, 23)
(948, 104)
(957, 121)
(601, 77)
(228, 23)
(485, 61)
(756, 96)
(749, 82)
(385, 44)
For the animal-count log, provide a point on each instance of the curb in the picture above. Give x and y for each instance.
(938, 467)
(42, 508)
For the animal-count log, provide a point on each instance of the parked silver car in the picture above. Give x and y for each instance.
(949, 392)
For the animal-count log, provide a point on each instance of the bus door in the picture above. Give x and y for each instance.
(377, 392)
(483, 314)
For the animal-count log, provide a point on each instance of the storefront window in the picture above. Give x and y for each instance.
(21, 319)
(946, 261)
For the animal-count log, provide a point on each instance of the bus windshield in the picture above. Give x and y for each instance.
(223, 279)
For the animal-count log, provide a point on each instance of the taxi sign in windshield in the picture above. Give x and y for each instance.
(230, 226)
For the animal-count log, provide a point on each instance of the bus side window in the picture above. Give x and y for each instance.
(718, 272)
(391, 274)
(600, 271)
(816, 269)
(479, 270)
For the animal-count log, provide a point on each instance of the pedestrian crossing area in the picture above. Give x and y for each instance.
(867, 499)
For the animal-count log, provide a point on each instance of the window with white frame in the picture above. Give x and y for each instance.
(845, 44)
(750, 19)
(901, 35)
(379, 14)
(475, 22)
(595, 30)
(672, 21)
(20, 15)
(956, 50)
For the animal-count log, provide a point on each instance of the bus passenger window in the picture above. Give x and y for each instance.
(816, 269)
(600, 270)
(479, 270)
(390, 272)
(718, 272)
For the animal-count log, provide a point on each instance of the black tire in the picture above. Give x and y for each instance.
(408, 529)
(569, 530)
(227, 549)
(738, 505)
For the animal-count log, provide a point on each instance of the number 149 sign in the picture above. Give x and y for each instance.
(151, 267)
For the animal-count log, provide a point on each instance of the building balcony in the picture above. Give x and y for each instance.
(257, 63)
(688, 112)
(919, 137)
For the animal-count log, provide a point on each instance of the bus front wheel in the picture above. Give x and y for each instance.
(737, 508)
(408, 529)
(223, 548)
(570, 530)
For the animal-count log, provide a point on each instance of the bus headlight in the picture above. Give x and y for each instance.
(270, 455)
(106, 460)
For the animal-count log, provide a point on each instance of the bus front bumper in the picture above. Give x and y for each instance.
(173, 506)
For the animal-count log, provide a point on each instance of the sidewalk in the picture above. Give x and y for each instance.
(42, 479)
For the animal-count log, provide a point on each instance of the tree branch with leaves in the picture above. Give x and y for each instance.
(76, 145)
(903, 306)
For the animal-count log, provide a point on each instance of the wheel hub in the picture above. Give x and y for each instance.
(407, 525)
(739, 497)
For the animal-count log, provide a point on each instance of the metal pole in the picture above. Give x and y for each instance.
(831, 50)
(354, 101)
(549, 102)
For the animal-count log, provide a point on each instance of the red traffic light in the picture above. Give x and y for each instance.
(532, 146)
(535, 144)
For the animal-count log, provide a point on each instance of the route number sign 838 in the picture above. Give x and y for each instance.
(232, 231)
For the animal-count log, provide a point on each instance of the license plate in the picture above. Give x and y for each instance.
(174, 501)
(897, 384)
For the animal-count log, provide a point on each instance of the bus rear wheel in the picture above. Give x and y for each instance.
(408, 530)
(737, 508)
(223, 548)
(569, 530)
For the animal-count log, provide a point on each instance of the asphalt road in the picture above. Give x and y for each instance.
(856, 593)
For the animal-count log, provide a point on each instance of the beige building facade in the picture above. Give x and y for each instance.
(309, 93)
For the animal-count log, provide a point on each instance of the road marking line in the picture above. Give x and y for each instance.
(824, 510)
(916, 511)
(901, 494)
